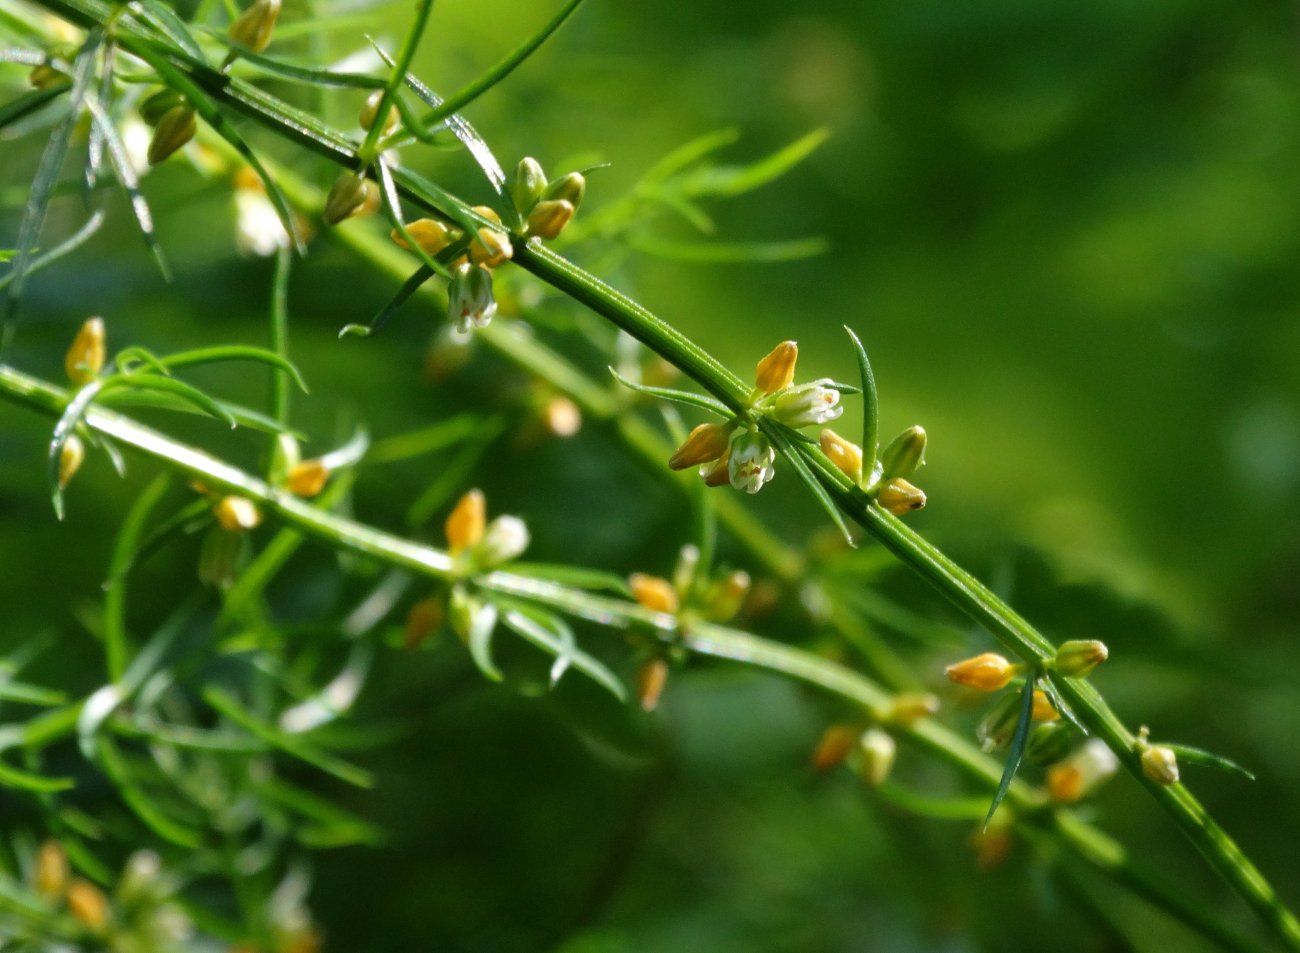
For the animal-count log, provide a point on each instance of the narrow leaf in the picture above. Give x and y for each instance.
(147, 383)
(144, 807)
(557, 639)
(234, 352)
(64, 429)
(1188, 755)
(26, 781)
(870, 408)
(163, 18)
(728, 182)
(794, 456)
(58, 251)
(393, 206)
(124, 549)
(688, 154)
(409, 287)
(576, 577)
(730, 252)
(1018, 742)
(677, 396)
(314, 75)
(482, 625)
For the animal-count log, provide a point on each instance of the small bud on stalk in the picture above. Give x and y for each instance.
(370, 112)
(253, 27)
(431, 235)
(904, 454)
(85, 357)
(834, 746)
(567, 188)
(237, 514)
(504, 539)
(492, 246)
(900, 498)
(908, 708)
(548, 218)
(808, 404)
(988, 672)
(88, 905)
(752, 460)
(157, 104)
(651, 677)
(51, 869)
(706, 442)
(527, 186)
(466, 522)
(654, 593)
(346, 197)
(176, 127)
(1071, 780)
(307, 478)
(1078, 657)
(422, 621)
(70, 457)
(878, 752)
(776, 371)
(846, 455)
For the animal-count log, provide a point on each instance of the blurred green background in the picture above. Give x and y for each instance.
(1068, 235)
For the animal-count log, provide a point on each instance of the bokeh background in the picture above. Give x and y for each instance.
(1068, 235)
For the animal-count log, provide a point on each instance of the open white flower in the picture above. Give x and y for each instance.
(751, 462)
(808, 404)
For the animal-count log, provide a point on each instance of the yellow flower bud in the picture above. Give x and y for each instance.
(907, 708)
(491, 248)
(726, 596)
(1078, 657)
(51, 870)
(718, 473)
(370, 112)
(1160, 764)
(70, 457)
(878, 753)
(653, 592)
(548, 218)
(904, 454)
(431, 235)
(174, 129)
(988, 672)
(88, 905)
(157, 104)
(527, 186)
(422, 621)
(834, 746)
(465, 525)
(900, 497)
(706, 442)
(1071, 780)
(846, 455)
(307, 478)
(1043, 709)
(651, 677)
(567, 188)
(346, 198)
(776, 371)
(237, 514)
(253, 27)
(85, 358)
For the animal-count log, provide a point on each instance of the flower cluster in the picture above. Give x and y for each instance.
(741, 454)
(887, 481)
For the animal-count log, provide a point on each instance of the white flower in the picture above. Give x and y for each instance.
(808, 404)
(258, 229)
(751, 462)
(470, 302)
(505, 538)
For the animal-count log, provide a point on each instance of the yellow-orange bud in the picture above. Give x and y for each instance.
(988, 672)
(900, 497)
(70, 457)
(253, 27)
(1043, 709)
(907, 708)
(719, 474)
(651, 677)
(491, 248)
(1078, 657)
(653, 592)
(347, 197)
(1160, 764)
(370, 112)
(51, 869)
(548, 218)
(88, 905)
(845, 454)
(85, 358)
(834, 746)
(176, 127)
(237, 514)
(776, 371)
(422, 621)
(705, 443)
(465, 525)
(307, 478)
(431, 235)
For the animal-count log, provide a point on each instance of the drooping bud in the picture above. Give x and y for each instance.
(1043, 709)
(51, 870)
(548, 218)
(899, 497)
(808, 405)
(85, 358)
(907, 708)
(1078, 775)
(904, 454)
(654, 593)
(776, 371)
(237, 514)
(988, 672)
(346, 197)
(878, 752)
(431, 235)
(706, 442)
(834, 746)
(70, 457)
(752, 461)
(253, 27)
(505, 538)
(470, 301)
(370, 112)
(651, 677)
(999, 723)
(307, 478)
(157, 104)
(422, 621)
(1078, 657)
(1160, 764)
(845, 454)
(527, 186)
(466, 522)
(176, 127)
(567, 188)
(88, 905)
